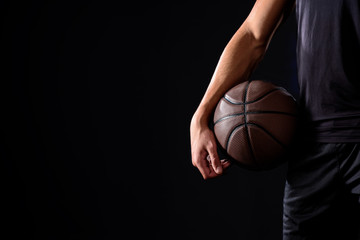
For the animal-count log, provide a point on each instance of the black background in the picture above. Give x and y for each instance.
(96, 102)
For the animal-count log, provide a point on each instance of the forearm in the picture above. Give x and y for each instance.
(237, 62)
(243, 52)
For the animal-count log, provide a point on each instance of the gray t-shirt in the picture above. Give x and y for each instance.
(328, 52)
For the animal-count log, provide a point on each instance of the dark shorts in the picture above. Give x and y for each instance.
(322, 193)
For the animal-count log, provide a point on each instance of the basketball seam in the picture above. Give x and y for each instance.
(267, 132)
(258, 99)
(228, 116)
(246, 127)
(232, 133)
(256, 112)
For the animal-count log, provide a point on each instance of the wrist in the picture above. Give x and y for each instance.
(201, 117)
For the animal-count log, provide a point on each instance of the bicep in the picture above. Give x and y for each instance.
(266, 16)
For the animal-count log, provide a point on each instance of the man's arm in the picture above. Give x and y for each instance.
(238, 60)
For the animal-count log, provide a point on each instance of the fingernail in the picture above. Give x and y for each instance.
(218, 170)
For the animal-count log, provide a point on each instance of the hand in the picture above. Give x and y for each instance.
(204, 153)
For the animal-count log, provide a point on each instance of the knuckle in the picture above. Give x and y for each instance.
(215, 164)
(196, 162)
(211, 145)
(214, 158)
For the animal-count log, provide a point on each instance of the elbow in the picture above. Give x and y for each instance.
(259, 37)
(258, 45)
(259, 41)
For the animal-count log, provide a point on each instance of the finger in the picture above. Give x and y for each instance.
(204, 168)
(212, 173)
(214, 158)
(225, 163)
(202, 164)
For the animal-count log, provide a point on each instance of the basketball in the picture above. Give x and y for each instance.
(255, 123)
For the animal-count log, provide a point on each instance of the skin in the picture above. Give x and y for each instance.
(238, 60)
